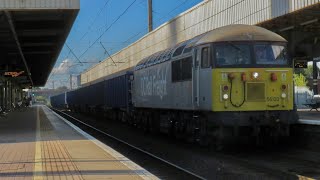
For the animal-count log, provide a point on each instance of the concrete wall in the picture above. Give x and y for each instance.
(204, 17)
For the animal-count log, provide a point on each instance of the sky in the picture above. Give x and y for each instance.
(98, 18)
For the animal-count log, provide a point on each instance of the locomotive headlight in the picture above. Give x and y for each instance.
(225, 96)
(283, 95)
(255, 75)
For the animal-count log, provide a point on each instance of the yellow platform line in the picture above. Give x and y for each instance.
(37, 173)
(305, 178)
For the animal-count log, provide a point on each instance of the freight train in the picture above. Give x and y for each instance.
(233, 81)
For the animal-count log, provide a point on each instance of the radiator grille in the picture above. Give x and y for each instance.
(256, 92)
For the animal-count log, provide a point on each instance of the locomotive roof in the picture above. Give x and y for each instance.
(240, 32)
(235, 32)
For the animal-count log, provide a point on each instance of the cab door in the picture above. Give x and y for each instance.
(202, 78)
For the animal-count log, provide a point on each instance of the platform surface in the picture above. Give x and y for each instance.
(38, 144)
(309, 115)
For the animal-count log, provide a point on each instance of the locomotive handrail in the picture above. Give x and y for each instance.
(244, 95)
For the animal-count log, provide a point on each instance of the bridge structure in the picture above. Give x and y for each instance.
(296, 20)
(32, 34)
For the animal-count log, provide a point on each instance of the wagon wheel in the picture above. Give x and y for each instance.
(146, 122)
(179, 127)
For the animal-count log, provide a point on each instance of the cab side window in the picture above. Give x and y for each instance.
(182, 69)
(205, 58)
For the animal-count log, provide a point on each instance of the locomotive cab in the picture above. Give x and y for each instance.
(233, 76)
(244, 76)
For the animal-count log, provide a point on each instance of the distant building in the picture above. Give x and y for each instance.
(76, 82)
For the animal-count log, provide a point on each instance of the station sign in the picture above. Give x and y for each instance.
(301, 62)
(13, 74)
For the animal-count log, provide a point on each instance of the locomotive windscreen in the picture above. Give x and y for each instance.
(270, 54)
(239, 54)
(231, 54)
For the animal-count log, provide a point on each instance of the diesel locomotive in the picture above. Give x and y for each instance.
(232, 81)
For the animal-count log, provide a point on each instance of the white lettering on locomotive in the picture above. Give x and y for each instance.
(154, 83)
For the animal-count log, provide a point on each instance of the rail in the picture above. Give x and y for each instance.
(132, 146)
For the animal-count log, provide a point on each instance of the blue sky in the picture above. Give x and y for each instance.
(95, 17)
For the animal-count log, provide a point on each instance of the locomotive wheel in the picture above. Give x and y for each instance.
(179, 131)
(138, 121)
(155, 122)
(221, 137)
(204, 139)
(146, 121)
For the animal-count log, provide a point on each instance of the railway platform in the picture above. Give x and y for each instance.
(309, 117)
(36, 143)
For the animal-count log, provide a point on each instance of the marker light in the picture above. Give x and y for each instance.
(284, 87)
(255, 75)
(225, 88)
(283, 95)
(273, 77)
(231, 76)
(225, 96)
(243, 77)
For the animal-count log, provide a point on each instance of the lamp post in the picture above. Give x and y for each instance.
(315, 75)
(150, 18)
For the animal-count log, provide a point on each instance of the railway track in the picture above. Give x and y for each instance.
(175, 171)
(266, 168)
(280, 169)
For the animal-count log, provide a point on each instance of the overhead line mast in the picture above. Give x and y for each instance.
(150, 18)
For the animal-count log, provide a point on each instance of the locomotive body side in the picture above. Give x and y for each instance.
(153, 88)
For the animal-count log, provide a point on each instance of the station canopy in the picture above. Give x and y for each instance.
(301, 28)
(32, 34)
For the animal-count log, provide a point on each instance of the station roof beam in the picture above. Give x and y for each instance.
(32, 34)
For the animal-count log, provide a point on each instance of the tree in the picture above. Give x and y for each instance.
(308, 72)
(300, 80)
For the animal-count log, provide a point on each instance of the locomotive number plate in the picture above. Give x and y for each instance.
(273, 98)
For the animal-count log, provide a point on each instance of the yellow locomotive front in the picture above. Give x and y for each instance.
(251, 79)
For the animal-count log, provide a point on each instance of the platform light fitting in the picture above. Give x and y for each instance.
(309, 22)
(286, 29)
